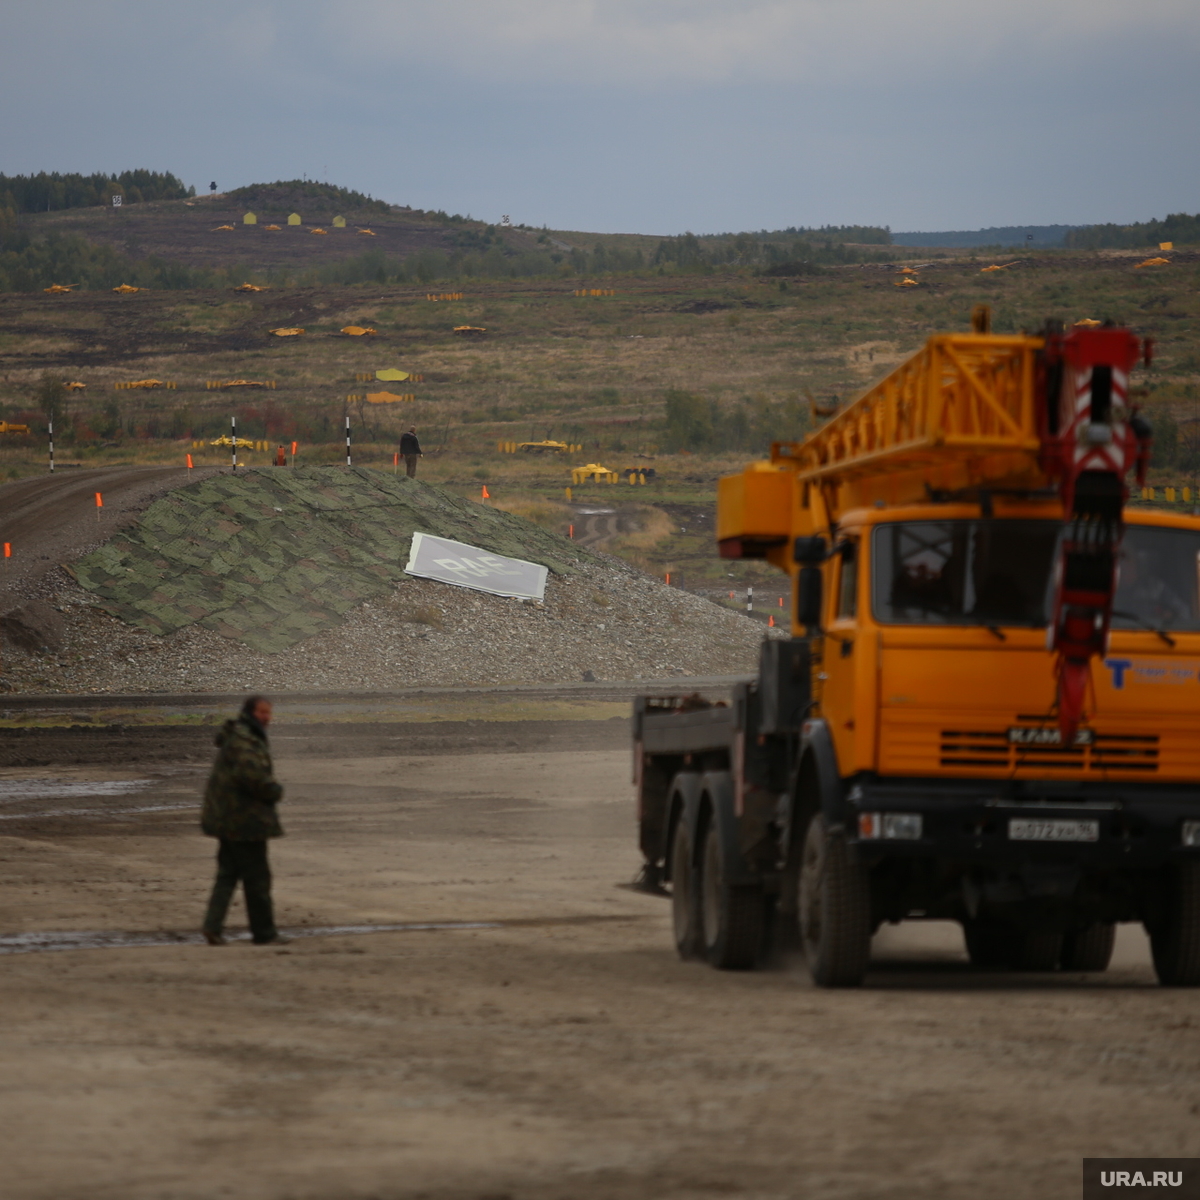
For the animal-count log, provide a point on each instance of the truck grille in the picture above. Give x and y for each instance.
(992, 749)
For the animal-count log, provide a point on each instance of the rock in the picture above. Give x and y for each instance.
(33, 626)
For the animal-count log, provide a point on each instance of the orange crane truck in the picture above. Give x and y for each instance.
(989, 707)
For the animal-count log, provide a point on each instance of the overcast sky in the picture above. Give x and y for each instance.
(648, 116)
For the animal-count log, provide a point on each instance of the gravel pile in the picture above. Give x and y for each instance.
(294, 581)
(606, 619)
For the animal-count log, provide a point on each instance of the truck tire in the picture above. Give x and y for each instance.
(834, 909)
(731, 918)
(1089, 949)
(684, 906)
(1175, 944)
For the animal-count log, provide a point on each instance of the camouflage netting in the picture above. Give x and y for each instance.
(274, 556)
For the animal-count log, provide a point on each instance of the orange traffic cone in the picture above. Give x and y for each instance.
(486, 495)
(770, 622)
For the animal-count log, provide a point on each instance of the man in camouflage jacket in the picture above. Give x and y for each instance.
(239, 810)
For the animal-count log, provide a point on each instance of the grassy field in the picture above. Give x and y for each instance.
(594, 370)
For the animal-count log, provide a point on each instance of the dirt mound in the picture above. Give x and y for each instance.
(274, 556)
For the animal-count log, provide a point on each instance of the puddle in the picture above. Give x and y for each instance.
(40, 943)
(14, 790)
(42, 813)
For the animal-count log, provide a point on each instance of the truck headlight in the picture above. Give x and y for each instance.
(904, 827)
(1191, 833)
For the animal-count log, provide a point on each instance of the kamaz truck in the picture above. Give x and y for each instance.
(989, 708)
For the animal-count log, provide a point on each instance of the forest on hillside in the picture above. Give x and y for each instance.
(50, 191)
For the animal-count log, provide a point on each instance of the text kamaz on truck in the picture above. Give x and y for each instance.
(988, 710)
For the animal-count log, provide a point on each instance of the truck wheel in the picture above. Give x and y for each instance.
(834, 909)
(731, 917)
(1089, 949)
(990, 945)
(1175, 944)
(683, 894)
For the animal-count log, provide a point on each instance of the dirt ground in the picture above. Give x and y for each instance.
(527, 1032)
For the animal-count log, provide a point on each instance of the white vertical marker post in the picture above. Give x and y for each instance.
(749, 601)
(233, 440)
(51, 445)
(347, 441)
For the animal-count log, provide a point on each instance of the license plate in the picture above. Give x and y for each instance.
(1052, 829)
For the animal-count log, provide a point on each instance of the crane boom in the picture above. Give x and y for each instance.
(969, 415)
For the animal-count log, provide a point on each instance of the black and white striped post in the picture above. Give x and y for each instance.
(347, 440)
(233, 440)
(749, 601)
(51, 445)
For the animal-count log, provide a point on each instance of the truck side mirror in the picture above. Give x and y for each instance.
(808, 597)
(809, 551)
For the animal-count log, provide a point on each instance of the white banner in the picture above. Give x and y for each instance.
(468, 566)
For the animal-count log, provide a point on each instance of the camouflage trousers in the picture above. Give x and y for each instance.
(244, 862)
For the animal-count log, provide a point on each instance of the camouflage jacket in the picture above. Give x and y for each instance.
(239, 802)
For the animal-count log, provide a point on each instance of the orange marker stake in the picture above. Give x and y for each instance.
(7, 553)
(770, 622)
(396, 463)
(189, 458)
(668, 579)
(486, 494)
(571, 532)
(99, 505)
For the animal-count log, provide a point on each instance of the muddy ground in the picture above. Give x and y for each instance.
(538, 1039)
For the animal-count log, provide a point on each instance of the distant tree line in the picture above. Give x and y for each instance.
(770, 252)
(1178, 227)
(50, 191)
(28, 264)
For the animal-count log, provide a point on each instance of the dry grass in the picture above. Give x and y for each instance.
(586, 370)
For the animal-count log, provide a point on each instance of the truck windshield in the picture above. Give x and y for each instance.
(1159, 586)
(1000, 573)
(963, 572)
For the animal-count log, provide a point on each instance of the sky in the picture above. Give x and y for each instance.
(638, 116)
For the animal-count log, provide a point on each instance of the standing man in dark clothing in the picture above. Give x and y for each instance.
(239, 810)
(410, 451)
